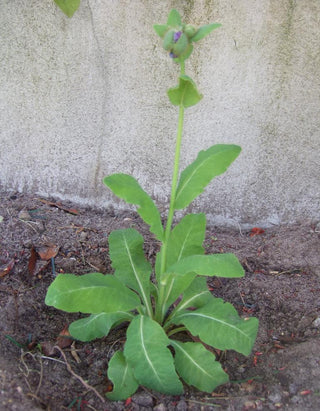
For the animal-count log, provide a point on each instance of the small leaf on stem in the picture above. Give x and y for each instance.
(185, 94)
(204, 31)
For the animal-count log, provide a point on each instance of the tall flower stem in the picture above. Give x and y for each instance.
(159, 314)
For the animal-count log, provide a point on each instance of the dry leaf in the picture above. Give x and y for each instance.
(47, 252)
(32, 261)
(256, 231)
(61, 207)
(64, 339)
(5, 269)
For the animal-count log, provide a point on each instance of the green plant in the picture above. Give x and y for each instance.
(69, 7)
(164, 315)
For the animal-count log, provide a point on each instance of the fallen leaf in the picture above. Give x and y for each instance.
(32, 261)
(47, 252)
(305, 392)
(128, 401)
(256, 231)
(64, 339)
(47, 348)
(61, 207)
(5, 269)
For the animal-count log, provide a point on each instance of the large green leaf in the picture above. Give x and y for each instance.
(147, 353)
(198, 366)
(185, 94)
(185, 239)
(180, 275)
(127, 188)
(97, 325)
(218, 265)
(128, 260)
(209, 164)
(68, 6)
(219, 325)
(90, 293)
(121, 375)
(203, 31)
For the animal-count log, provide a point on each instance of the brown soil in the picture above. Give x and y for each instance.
(281, 288)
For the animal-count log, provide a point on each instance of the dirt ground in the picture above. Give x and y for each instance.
(281, 288)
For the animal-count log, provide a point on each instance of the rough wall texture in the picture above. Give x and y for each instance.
(84, 97)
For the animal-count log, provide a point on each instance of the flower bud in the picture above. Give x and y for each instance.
(168, 41)
(181, 45)
(190, 30)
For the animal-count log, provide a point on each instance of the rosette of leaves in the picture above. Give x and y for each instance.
(173, 319)
(178, 36)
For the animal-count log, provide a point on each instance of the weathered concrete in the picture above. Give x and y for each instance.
(84, 97)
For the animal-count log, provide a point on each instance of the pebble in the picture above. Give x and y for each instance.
(182, 406)
(83, 236)
(316, 322)
(275, 397)
(160, 407)
(144, 400)
(24, 215)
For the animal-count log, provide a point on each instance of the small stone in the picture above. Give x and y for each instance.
(275, 397)
(182, 406)
(24, 215)
(144, 400)
(316, 322)
(160, 407)
(83, 236)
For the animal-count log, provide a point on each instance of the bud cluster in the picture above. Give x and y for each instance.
(178, 41)
(178, 37)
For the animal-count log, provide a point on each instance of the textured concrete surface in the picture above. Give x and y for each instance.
(85, 97)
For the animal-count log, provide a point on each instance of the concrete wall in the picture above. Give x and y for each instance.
(85, 97)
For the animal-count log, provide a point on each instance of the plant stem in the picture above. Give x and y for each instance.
(176, 330)
(159, 314)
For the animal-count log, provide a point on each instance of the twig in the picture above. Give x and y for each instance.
(89, 387)
(28, 371)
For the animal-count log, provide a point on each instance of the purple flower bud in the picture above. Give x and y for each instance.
(173, 56)
(177, 35)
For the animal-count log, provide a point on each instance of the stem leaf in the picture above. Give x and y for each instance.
(185, 94)
(129, 262)
(219, 265)
(161, 29)
(90, 293)
(198, 366)
(121, 375)
(69, 7)
(97, 325)
(203, 31)
(147, 353)
(219, 325)
(185, 239)
(208, 164)
(128, 188)
(174, 18)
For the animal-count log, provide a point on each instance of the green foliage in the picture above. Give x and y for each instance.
(178, 37)
(127, 188)
(185, 94)
(69, 7)
(163, 313)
